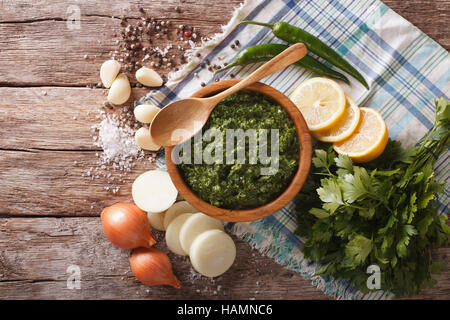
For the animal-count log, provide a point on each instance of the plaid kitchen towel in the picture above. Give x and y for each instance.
(405, 69)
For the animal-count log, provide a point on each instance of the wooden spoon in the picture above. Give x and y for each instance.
(182, 119)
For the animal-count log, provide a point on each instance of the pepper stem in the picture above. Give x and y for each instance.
(270, 25)
(226, 67)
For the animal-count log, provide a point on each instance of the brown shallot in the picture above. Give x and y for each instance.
(127, 226)
(152, 267)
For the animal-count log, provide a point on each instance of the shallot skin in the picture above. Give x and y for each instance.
(127, 226)
(152, 267)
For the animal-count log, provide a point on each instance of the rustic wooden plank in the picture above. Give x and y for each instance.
(48, 183)
(47, 53)
(52, 117)
(23, 10)
(39, 49)
(35, 254)
(52, 183)
(430, 16)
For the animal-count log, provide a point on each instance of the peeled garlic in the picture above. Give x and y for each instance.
(108, 72)
(149, 77)
(145, 113)
(120, 90)
(144, 140)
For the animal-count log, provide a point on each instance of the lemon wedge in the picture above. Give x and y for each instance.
(344, 127)
(369, 139)
(321, 102)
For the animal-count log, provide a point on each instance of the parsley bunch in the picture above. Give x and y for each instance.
(384, 212)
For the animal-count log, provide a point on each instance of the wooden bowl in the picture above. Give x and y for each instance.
(271, 207)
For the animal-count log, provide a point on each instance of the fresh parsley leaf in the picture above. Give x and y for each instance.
(358, 248)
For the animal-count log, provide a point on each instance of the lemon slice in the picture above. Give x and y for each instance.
(344, 127)
(321, 102)
(369, 139)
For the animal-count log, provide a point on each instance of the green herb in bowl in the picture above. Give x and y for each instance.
(240, 185)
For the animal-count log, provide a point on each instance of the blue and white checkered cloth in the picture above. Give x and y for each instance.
(405, 69)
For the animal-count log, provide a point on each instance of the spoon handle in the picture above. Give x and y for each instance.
(284, 59)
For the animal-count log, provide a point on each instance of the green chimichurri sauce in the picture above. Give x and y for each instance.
(241, 185)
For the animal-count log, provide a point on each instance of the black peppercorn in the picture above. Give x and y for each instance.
(202, 84)
(236, 42)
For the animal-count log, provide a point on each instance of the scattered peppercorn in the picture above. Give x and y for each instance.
(233, 46)
(202, 84)
(236, 42)
(216, 79)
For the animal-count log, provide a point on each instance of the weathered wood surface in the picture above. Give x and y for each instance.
(39, 49)
(35, 254)
(46, 146)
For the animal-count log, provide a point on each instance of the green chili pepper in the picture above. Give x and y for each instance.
(265, 52)
(292, 34)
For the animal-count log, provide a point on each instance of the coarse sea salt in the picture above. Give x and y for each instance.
(115, 135)
(116, 138)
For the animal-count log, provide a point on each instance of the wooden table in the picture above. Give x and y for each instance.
(50, 212)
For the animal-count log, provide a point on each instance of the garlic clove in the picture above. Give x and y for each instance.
(144, 140)
(149, 77)
(120, 90)
(145, 113)
(109, 71)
